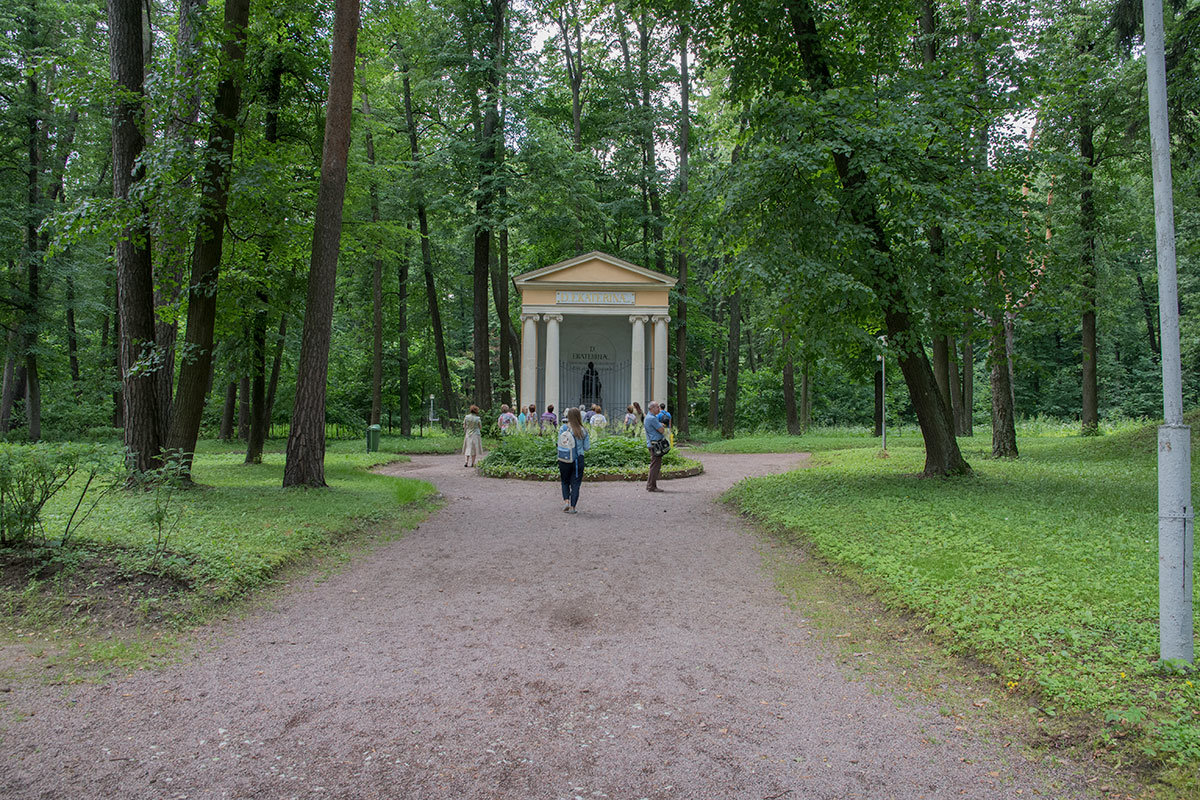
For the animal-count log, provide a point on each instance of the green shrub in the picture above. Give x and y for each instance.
(609, 454)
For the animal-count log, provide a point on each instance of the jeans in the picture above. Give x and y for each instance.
(571, 475)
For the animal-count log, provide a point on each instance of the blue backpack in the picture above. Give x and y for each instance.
(566, 444)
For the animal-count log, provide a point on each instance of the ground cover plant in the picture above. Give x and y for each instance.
(815, 440)
(618, 456)
(175, 550)
(1044, 567)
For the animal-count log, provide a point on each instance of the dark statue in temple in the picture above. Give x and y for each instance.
(591, 386)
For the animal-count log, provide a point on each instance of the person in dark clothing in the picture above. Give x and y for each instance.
(573, 442)
(655, 432)
(591, 385)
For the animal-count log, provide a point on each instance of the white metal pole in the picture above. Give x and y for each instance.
(1175, 511)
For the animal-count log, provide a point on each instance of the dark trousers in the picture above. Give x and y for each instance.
(655, 469)
(571, 475)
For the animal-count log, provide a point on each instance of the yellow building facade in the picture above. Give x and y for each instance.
(594, 330)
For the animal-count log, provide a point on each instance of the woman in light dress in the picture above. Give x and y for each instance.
(472, 437)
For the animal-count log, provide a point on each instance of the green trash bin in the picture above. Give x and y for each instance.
(373, 434)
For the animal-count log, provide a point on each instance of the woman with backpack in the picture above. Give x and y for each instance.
(573, 442)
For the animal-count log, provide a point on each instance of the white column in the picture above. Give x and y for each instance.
(637, 377)
(529, 354)
(660, 358)
(552, 321)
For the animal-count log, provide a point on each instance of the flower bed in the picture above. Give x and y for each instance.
(612, 458)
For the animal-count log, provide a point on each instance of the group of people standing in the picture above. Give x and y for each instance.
(574, 438)
(527, 420)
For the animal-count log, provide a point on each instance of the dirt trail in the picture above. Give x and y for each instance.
(507, 650)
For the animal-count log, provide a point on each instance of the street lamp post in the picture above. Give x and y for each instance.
(1175, 510)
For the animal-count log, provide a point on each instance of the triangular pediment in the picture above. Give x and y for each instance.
(594, 269)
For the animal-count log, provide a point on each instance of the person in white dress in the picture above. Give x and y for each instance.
(472, 437)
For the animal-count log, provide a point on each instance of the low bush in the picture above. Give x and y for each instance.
(609, 455)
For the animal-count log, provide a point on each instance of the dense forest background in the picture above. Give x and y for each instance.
(970, 180)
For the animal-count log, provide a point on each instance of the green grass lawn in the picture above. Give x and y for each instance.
(817, 439)
(238, 527)
(1045, 567)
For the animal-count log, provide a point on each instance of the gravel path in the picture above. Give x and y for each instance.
(507, 650)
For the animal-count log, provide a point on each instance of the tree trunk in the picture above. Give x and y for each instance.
(732, 364)
(1009, 326)
(510, 342)
(56, 195)
(376, 413)
(941, 366)
(508, 332)
(1004, 429)
(180, 133)
(73, 339)
(118, 395)
(649, 157)
(7, 394)
(680, 419)
(1087, 225)
(260, 397)
(714, 378)
(942, 456)
(968, 382)
(402, 329)
(806, 396)
(789, 396)
(879, 390)
(228, 411)
(714, 388)
(33, 398)
(955, 386)
(243, 415)
(944, 370)
(489, 140)
(33, 252)
(573, 57)
(1150, 312)
(15, 390)
(499, 270)
(435, 314)
(258, 379)
(305, 465)
(135, 279)
(376, 339)
(273, 384)
(196, 371)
